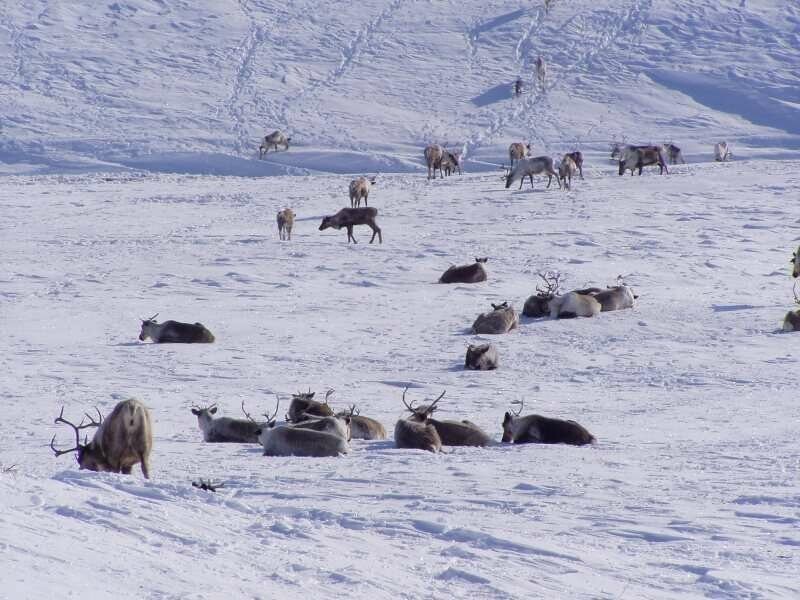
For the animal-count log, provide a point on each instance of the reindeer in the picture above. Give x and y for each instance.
(518, 151)
(336, 425)
(360, 188)
(673, 153)
(481, 358)
(518, 87)
(473, 273)
(416, 435)
(226, 429)
(303, 407)
(538, 305)
(285, 440)
(615, 297)
(637, 157)
(577, 158)
(273, 140)
(572, 305)
(618, 148)
(174, 332)
(433, 158)
(502, 319)
(541, 71)
(451, 433)
(121, 441)
(566, 170)
(721, 152)
(791, 322)
(451, 162)
(285, 223)
(528, 167)
(363, 428)
(537, 429)
(349, 218)
(795, 262)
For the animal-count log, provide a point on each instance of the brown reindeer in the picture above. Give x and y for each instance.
(637, 157)
(409, 433)
(285, 223)
(481, 358)
(363, 428)
(473, 273)
(303, 407)
(451, 433)
(537, 429)
(121, 441)
(350, 217)
(433, 159)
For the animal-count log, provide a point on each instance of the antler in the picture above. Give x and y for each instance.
(60, 419)
(411, 406)
(432, 406)
(328, 394)
(353, 411)
(270, 419)
(552, 280)
(247, 414)
(521, 404)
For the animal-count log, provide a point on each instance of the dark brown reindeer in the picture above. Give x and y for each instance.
(481, 358)
(121, 441)
(363, 428)
(304, 407)
(350, 217)
(536, 429)
(410, 433)
(637, 157)
(473, 273)
(174, 332)
(451, 433)
(577, 158)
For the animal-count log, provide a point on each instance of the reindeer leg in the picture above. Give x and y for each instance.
(350, 234)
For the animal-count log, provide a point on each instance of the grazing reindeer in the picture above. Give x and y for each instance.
(481, 358)
(121, 441)
(360, 188)
(528, 167)
(616, 297)
(795, 261)
(577, 158)
(673, 153)
(286, 440)
(536, 429)
(225, 429)
(541, 71)
(451, 433)
(303, 407)
(473, 273)
(791, 322)
(349, 218)
(721, 152)
(566, 170)
(409, 433)
(518, 151)
(363, 428)
(433, 158)
(285, 223)
(502, 319)
(637, 157)
(273, 140)
(174, 332)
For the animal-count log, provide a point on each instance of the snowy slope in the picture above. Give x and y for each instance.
(190, 86)
(691, 491)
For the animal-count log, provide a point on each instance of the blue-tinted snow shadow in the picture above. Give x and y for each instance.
(495, 94)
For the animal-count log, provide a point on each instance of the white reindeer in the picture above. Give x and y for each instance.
(528, 167)
(721, 152)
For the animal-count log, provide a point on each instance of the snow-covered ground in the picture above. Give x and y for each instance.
(691, 491)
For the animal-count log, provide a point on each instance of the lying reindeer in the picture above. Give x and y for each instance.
(473, 273)
(350, 217)
(451, 433)
(122, 440)
(287, 440)
(481, 358)
(572, 305)
(174, 332)
(536, 429)
(363, 428)
(416, 435)
(303, 407)
(538, 305)
(336, 425)
(617, 297)
(502, 319)
(225, 429)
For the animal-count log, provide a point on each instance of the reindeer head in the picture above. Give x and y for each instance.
(508, 422)
(795, 261)
(481, 260)
(204, 414)
(147, 327)
(88, 455)
(422, 412)
(328, 222)
(270, 419)
(500, 306)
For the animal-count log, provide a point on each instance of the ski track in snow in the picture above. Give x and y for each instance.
(691, 491)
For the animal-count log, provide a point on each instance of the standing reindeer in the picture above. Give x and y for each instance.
(528, 167)
(285, 223)
(541, 71)
(518, 151)
(121, 441)
(433, 158)
(451, 433)
(543, 430)
(350, 217)
(360, 188)
(566, 169)
(273, 140)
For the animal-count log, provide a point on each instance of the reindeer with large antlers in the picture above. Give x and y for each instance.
(537, 429)
(791, 322)
(363, 428)
(174, 332)
(451, 433)
(288, 440)
(411, 433)
(226, 429)
(121, 441)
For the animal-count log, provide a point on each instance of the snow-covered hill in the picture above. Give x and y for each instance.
(190, 86)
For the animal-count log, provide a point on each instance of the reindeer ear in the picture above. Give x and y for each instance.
(213, 410)
(195, 411)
